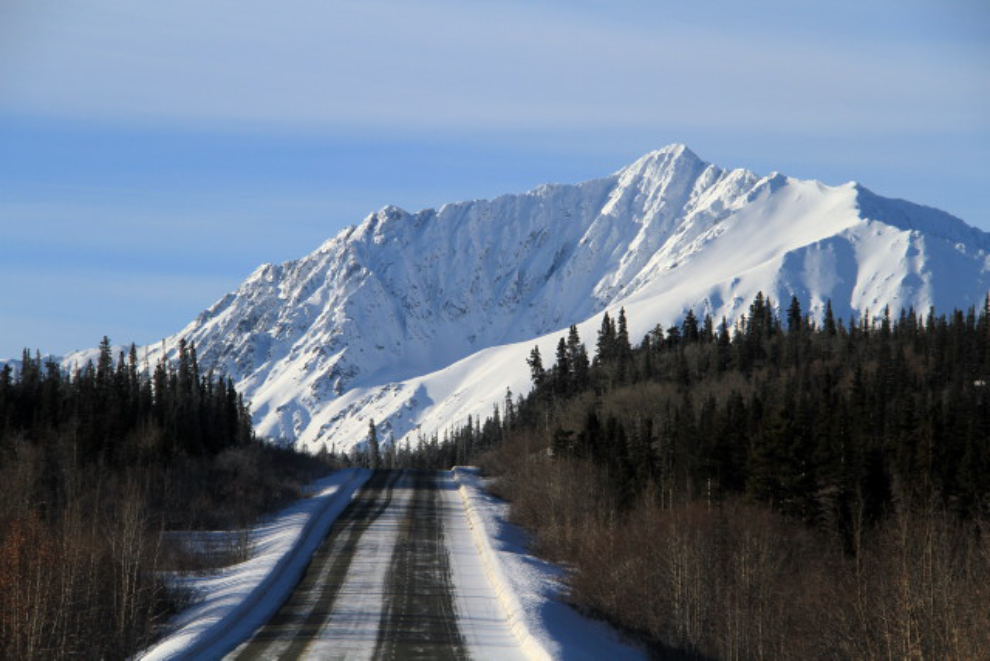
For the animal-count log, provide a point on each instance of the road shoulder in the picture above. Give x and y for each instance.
(530, 590)
(234, 601)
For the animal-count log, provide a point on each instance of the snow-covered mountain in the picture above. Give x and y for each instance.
(417, 320)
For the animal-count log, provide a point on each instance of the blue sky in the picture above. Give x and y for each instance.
(153, 154)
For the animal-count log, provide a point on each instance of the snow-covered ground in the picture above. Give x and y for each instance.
(486, 625)
(232, 602)
(508, 605)
(530, 590)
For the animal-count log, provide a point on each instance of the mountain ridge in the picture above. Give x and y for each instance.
(378, 321)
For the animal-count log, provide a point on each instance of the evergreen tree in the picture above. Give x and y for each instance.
(623, 350)
(104, 364)
(537, 373)
(374, 459)
(708, 330)
(829, 320)
(562, 370)
(795, 320)
(577, 357)
(606, 348)
(689, 328)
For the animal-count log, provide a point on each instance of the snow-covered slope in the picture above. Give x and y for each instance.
(417, 320)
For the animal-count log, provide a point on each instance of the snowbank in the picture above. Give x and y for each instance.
(237, 599)
(529, 589)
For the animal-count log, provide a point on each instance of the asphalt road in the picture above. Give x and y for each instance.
(419, 621)
(380, 585)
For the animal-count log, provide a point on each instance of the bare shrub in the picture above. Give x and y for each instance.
(727, 582)
(199, 551)
(919, 588)
(64, 591)
(736, 580)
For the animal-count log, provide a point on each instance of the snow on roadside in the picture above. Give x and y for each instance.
(233, 601)
(531, 590)
(482, 619)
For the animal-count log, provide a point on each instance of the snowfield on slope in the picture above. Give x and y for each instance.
(419, 320)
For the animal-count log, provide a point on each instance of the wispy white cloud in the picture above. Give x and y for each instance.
(391, 64)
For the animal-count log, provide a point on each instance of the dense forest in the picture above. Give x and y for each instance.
(782, 487)
(94, 465)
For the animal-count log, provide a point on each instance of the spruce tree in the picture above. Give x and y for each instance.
(536, 370)
(829, 321)
(577, 356)
(605, 349)
(373, 451)
(104, 364)
(794, 318)
(622, 345)
(562, 370)
(689, 328)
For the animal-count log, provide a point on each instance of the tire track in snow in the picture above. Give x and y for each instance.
(301, 617)
(419, 620)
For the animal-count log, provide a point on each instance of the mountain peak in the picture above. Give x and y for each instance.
(676, 156)
(674, 149)
(420, 320)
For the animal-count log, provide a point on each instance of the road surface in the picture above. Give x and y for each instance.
(398, 577)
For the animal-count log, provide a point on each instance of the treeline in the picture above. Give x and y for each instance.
(100, 406)
(781, 487)
(820, 421)
(456, 446)
(94, 465)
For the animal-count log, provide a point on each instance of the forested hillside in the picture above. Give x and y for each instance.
(94, 464)
(780, 488)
